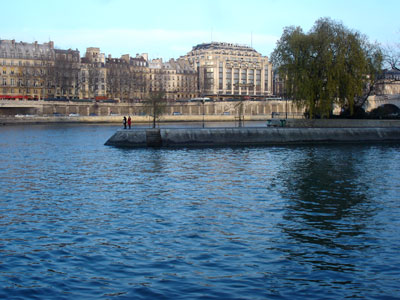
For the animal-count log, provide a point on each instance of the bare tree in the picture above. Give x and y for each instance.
(121, 80)
(94, 79)
(46, 71)
(155, 105)
(25, 79)
(392, 57)
(66, 73)
(240, 112)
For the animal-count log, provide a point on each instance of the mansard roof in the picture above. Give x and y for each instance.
(11, 49)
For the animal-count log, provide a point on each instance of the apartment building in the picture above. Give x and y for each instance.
(64, 75)
(219, 70)
(26, 70)
(176, 78)
(126, 77)
(36, 71)
(93, 75)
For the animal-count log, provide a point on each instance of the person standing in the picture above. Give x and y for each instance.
(129, 122)
(124, 122)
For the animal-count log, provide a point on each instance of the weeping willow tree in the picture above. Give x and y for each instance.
(328, 65)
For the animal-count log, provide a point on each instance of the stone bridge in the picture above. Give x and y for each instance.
(379, 100)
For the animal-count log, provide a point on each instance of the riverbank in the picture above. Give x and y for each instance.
(228, 137)
(117, 119)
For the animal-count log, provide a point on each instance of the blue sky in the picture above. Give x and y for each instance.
(170, 28)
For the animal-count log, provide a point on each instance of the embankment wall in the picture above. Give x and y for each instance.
(222, 137)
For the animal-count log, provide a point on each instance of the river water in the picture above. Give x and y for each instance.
(80, 220)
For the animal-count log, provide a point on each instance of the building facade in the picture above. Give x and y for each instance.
(126, 78)
(278, 85)
(230, 70)
(26, 70)
(64, 75)
(93, 75)
(388, 83)
(35, 71)
(176, 78)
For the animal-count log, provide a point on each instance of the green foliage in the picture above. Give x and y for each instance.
(155, 105)
(329, 65)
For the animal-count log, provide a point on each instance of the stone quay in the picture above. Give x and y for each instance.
(251, 136)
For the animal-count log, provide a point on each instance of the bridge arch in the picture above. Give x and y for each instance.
(387, 110)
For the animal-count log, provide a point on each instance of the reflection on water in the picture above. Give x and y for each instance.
(333, 199)
(327, 195)
(82, 220)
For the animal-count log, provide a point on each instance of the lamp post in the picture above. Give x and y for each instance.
(286, 107)
(203, 100)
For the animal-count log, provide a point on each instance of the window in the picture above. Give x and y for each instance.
(251, 76)
(228, 74)
(243, 76)
(258, 80)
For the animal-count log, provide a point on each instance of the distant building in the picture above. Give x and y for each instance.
(93, 75)
(93, 55)
(388, 83)
(35, 71)
(278, 85)
(126, 77)
(65, 75)
(26, 70)
(181, 80)
(230, 70)
(176, 78)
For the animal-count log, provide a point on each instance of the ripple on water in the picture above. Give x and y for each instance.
(81, 220)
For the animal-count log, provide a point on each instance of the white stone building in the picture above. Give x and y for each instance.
(230, 71)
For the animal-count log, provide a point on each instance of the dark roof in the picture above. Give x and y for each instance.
(390, 74)
(227, 46)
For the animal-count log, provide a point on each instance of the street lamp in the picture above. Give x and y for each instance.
(286, 107)
(203, 100)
